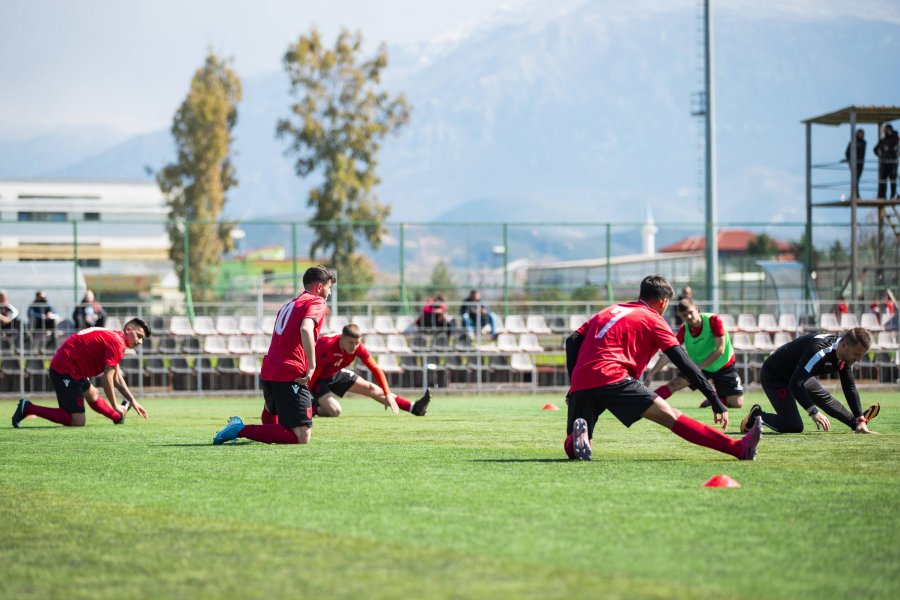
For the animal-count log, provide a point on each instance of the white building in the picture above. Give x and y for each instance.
(119, 226)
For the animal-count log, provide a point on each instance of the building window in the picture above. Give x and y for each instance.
(89, 262)
(92, 216)
(43, 217)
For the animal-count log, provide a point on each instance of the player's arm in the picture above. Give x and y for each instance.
(718, 350)
(660, 364)
(797, 385)
(693, 374)
(129, 397)
(108, 381)
(308, 341)
(573, 345)
(13, 314)
(848, 385)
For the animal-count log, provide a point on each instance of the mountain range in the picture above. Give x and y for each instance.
(576, 111)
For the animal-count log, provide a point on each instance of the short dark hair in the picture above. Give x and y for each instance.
(858, 336)
(656, 287)
(684, 305)
(319, 274)
(138, 322)
(352, 330)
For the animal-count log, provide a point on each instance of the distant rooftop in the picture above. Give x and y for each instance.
(864, 114)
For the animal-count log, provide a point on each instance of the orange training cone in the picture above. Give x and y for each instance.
(721, 481)
(550, 406)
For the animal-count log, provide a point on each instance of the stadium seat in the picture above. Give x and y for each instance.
(521, 363)
(156, 373)
(215, 344)
(762, 341)
(741, 342)
(206, 372)
(848, 321)
(364, 322)
(558, 324)
(389, 365)
(528, 342)
(442, 342)
(375, 343)
(130, 366)
(728, 321)
(419, 343)
(180, 326)
(249, 325)
(537, 324)
(228, 374)
(499, 368)
(113, 323)
(36, 375)
(506, 342)
(767, 322)
(336, 323)
(182, 374)
(457, 369)
(226, 325)
(268, 325)
(781, 338)
(167, 345)
(249, 364)
(788, 322)
(238, 344)
(260, 343)
(10, 374)
(515, 324)
(870, 321)
(576, 321)
(204, 326)
(192, 345)
(829, 322)
(746, 322)
(397, 344)
(384, 324)
(405, 323)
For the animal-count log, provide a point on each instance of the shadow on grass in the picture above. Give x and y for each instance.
(210, 444)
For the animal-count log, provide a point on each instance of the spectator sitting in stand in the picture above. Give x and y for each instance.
(9, 314)
(434, 314)
(475, 315)
(41, 314)
(89, 313)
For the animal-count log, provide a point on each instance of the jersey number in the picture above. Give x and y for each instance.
(284, 315)
(618, 312)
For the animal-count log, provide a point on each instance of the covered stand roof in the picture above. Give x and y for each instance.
(864, 114)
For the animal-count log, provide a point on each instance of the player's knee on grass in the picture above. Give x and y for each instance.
(329, 406)
(78, 420)
(303, 434)
(734, 401)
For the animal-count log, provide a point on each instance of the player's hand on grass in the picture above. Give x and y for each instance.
(821, 421)
(721, 418)
(139, 410)
(390, 401)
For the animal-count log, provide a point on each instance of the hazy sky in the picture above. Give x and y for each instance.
(127, 64)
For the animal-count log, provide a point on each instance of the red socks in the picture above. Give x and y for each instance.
(403, 403)
(57, 415)
(269, 434)
(663, 392)
(102, 407)
(268, 418)
(703, 435)
(569, 447)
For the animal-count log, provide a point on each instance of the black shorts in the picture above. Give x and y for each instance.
(727, 382)
(69, 392)
(338, 384)
(627, 400)
(289, 400)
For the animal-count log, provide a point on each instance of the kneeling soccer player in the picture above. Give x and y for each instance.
(332, 380)
(606, 357)
(87, 354)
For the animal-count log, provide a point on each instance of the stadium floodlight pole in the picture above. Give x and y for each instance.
(712, 225)
(75, 262)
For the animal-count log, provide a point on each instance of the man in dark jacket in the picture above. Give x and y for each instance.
(860, 156)
(887, 150)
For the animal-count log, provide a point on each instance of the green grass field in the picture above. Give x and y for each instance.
(475, 500)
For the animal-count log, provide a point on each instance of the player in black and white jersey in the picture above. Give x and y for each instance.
(789, 375)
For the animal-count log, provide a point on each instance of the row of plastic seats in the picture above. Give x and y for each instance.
(750, 323)
(762, 341)
(867, 320)
(221, 325)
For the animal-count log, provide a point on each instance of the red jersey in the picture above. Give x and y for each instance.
(88, 352)
(286, 360)
(618, 343)
(331, 358)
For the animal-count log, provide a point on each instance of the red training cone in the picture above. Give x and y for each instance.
(721, 481)
(550, 406)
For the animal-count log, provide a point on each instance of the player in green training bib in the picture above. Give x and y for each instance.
(708, 344)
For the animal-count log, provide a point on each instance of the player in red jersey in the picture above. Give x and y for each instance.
(332, 379)
(605, 358)
(288, 367)
(87, 354)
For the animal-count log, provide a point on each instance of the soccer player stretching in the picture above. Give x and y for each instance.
(708, 344)
(288, 367)
(331, 380)
(87, 354)
(788, 377)
(606, 357)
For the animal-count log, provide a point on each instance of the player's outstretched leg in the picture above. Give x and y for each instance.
(581, 444)
(27, 408)
(703, 435)
(748, 443)
(420, 406)
(230, 432)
